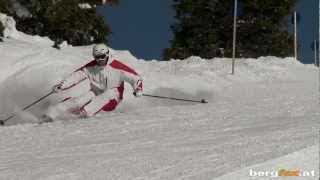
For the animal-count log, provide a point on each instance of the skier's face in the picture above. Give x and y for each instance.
(102, 60)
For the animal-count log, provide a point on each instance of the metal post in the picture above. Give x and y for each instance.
(315, 52)
(295, 37)
(319, 50)
(234, 34)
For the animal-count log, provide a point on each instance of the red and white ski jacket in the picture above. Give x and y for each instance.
(102, 78)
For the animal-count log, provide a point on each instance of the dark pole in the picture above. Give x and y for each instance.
(176, 99)
(2, 122)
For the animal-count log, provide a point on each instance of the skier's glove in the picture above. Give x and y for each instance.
(57, 88)
(137, 93)
(138, 89)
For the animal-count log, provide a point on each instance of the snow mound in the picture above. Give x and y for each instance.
(9, 24)
(10, 31)
(39, 65)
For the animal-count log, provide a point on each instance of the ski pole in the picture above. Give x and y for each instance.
(177, 99)
(2, 122)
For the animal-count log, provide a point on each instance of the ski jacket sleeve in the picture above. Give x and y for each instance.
(73, 79)
(128, 75)
(134, 80)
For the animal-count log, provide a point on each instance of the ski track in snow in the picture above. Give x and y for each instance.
(270, 109)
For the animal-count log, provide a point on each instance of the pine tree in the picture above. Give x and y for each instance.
(99, 2)
(204, 28)
(5, 6)
(262, 29)
(64, 20)
(80, 27)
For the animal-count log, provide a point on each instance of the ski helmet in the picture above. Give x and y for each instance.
(100, 51)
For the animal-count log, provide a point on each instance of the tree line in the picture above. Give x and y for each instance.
(205, 28)
(60, 20)
(202, 27)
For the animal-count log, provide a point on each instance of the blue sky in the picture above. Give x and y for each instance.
(143, 26)
(307, 29)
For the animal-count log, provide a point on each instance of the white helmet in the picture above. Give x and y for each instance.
(100, 50)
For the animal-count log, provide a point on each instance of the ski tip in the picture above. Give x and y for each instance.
(204, 101)
(1, 123)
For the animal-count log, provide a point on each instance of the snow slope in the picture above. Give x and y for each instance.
(305, 161)
(268, 110)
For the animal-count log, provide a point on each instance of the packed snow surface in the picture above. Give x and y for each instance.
(304, 162)
(269, 109)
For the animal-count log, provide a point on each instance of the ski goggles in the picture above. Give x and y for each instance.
(101, 57)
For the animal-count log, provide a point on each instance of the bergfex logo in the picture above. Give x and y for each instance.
(282, 173)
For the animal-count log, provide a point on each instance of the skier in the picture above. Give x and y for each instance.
(106, 77)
